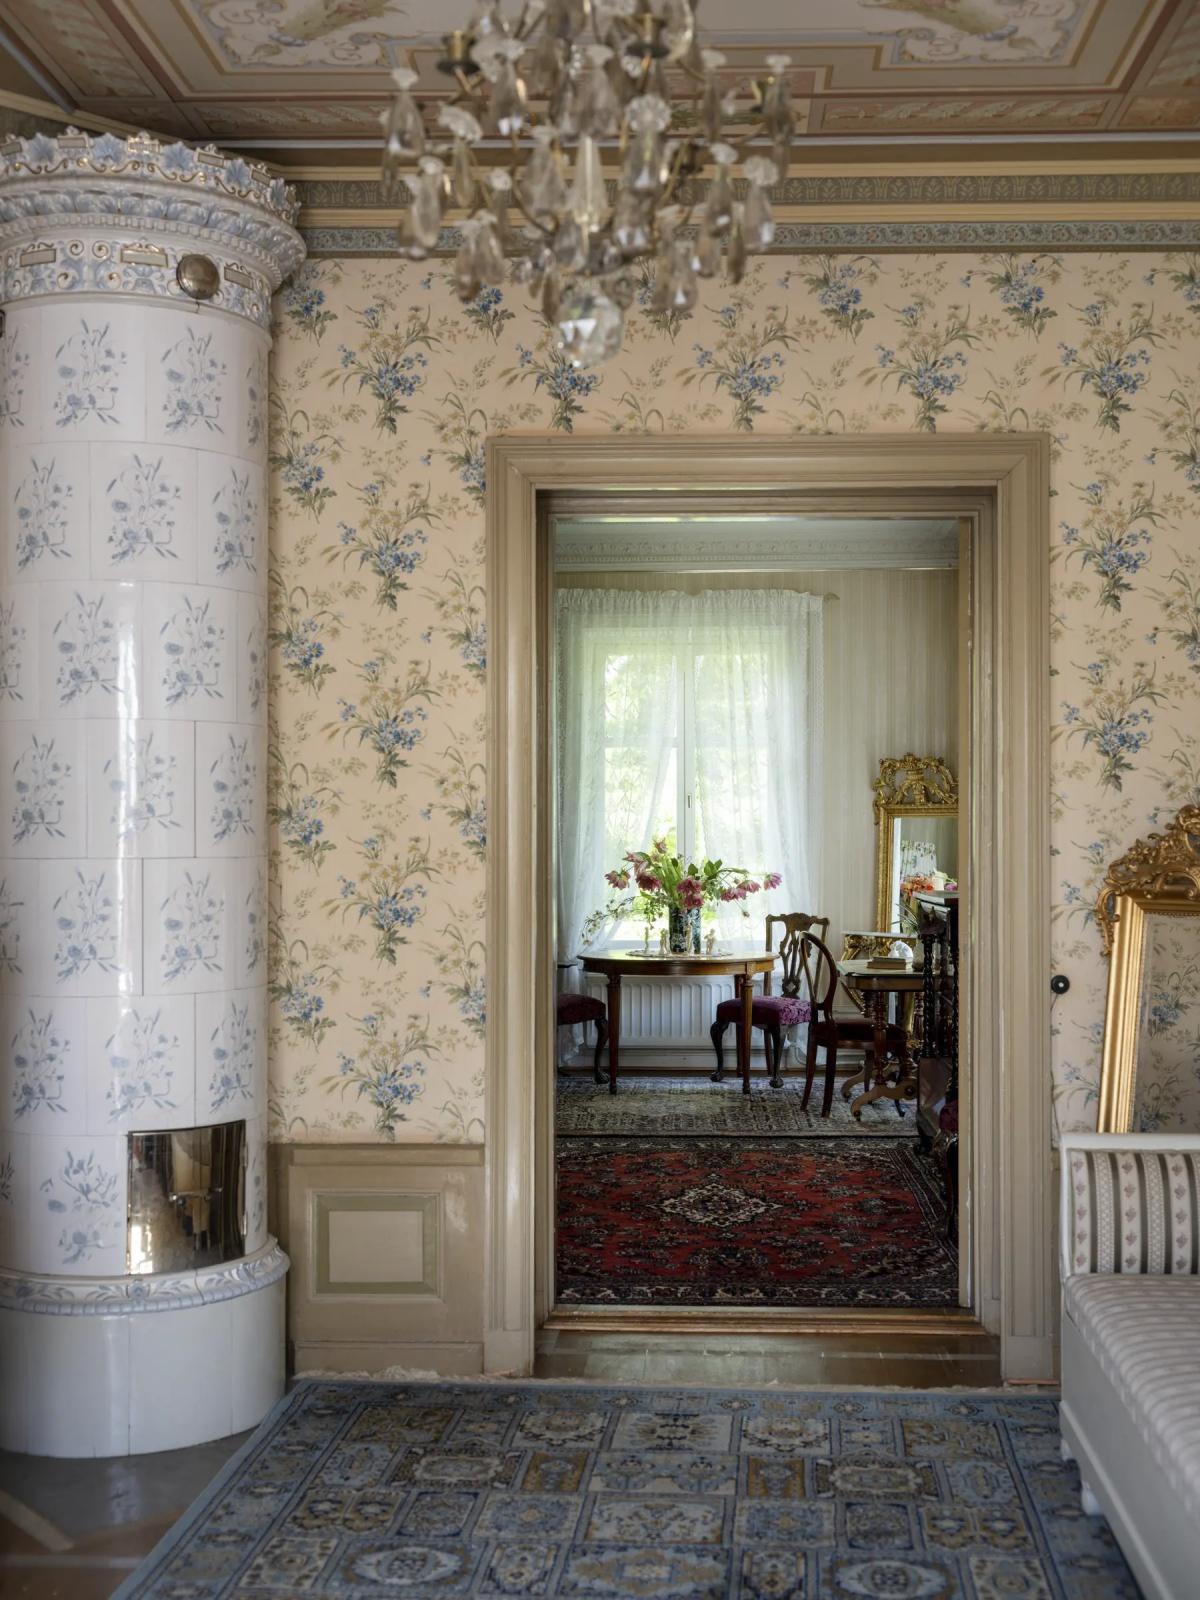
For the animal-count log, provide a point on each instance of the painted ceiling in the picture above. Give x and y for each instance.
(285, 71)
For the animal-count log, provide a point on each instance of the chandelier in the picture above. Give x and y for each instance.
(518, 152)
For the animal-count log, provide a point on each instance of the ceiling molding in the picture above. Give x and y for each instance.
(965, 236)
(282, 73)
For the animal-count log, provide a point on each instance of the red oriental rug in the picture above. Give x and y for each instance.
(751, 1222)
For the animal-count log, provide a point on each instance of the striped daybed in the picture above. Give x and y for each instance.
(1131, 1346)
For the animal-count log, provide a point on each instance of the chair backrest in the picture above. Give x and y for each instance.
(820, 975)
(795, 978)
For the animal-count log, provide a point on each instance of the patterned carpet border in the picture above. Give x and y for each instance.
(694, 1106)
(544, 1491)
(751, 1222)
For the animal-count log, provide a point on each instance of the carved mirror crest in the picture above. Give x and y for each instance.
(1148, 913)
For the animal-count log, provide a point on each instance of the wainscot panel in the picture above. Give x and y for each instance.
(387, 1258)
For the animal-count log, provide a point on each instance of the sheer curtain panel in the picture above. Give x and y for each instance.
(694, 715)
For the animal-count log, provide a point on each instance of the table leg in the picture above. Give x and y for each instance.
(905, 1085)
(614, 1029)
(879, 1020)
(745, 993)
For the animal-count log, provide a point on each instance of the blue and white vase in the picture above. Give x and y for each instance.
(683, 931)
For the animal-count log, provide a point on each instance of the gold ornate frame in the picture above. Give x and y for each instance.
(907, 786)
(1159, 876)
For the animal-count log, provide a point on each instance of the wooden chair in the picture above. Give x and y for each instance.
(773, 1013)
(571, 1010)
(828, 1032)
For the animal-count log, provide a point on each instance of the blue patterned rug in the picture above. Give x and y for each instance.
(356, 1491)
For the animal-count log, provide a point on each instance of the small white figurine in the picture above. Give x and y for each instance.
(662, 942)
(710, 940)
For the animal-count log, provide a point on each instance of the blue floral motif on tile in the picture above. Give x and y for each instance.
(141, 1062)
(234, 774)
(194, 375)
(39, 779)
(237, 516)
(90, 369)
(142, 501)
(233, 1052)
(254, 664)
(10, 929)
(254, 945)
(191, 929)
(192, 645)
(40, 1054)
(87, 651)
(13, 378)
(256, 399)
(86, 1193)
(85, 928)
(12, 638)
(43, 514)
(142, 782)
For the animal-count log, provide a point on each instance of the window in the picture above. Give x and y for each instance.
(696, 717)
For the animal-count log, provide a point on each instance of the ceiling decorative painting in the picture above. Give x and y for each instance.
(289, 70)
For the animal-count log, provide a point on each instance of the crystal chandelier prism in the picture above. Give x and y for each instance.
(518, 152)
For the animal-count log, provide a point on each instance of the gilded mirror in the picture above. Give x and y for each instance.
(916, 833)
(1148, 913)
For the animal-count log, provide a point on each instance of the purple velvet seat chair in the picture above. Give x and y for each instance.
(574, 1009)
(770, 1012)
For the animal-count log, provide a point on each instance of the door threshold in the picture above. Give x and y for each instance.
(783, 1320)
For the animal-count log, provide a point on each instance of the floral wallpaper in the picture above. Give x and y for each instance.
(383, 394)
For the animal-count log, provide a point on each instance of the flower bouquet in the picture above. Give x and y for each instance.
(919, 883)
(665, 882)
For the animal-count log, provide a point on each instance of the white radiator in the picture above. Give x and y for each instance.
(667, 1013)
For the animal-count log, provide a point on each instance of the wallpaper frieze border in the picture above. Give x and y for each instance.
(165, 1291)
(873, 189)
(966, 237)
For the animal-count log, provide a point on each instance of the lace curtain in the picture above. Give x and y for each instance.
(729, 683)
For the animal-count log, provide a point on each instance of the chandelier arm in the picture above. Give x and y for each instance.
(532, 221)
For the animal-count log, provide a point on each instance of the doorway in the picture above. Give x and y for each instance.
(737, 696)
(997, 488)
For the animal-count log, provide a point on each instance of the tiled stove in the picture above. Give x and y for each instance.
(133, 847)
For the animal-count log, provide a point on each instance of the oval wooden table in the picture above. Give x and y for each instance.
(616, 964)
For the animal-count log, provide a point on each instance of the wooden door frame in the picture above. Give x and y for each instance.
(999, 484)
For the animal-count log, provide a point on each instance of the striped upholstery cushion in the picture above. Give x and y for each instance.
(1143, 1334)
(1135, 1211)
